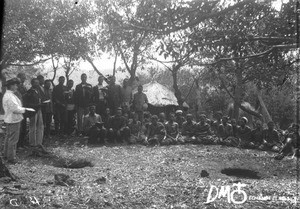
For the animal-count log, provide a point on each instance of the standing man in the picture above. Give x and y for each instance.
(70, 108)
(33, 100)
(13, 111)
(48, 107)
(99, 97)
(42, 93)
(139, 101)
(114, 95)
(83, 97)
(59, 105)
(42, 82)
(20, 93)
(126, 92)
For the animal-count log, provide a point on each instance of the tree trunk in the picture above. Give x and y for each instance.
(115, 63)
(54, 69)
(198, 93)
(178, 94)
(237, 94)
(67, 74)
(267, 117)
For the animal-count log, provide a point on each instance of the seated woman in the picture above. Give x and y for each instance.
(172, 131)
(244, 134)
(292, 143)
(118, 129)
(179, 118)
(162, 118)
(270, 139)
(93, 126)
(135, 127)
(237, 133)
(257, 135)
(156, 132)
(203, 132)
(224, 130)
(146, 123)
(188, 134)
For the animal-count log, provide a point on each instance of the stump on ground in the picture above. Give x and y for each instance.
(4, 171)
(73, 163)
(63, 180)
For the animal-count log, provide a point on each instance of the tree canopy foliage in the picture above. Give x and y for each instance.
(231, 43)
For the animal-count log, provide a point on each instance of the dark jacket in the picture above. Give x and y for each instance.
(58, 95)
(69, 96)
(95, 94)
(33, 99)
(114, 96)
(83, 95)
(117, 122)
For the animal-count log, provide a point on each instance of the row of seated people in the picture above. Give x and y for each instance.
(179, 130)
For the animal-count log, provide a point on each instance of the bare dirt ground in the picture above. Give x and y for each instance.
(135, 176)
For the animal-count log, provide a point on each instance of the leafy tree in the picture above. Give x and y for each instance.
(69, 32)
(39, 30)
(247, 45)
(132, 43)
(23, 33)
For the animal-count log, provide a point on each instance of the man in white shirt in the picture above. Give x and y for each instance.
(13, 115)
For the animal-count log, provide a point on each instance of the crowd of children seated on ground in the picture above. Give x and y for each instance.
(125, 127)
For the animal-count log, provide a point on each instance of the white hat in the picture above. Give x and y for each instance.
(178, 111)
(245, 119)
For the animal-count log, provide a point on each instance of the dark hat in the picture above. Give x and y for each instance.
(225, 117)
(202, 116)
(219, 113)
(12, 81)
(92, 105)
(295, 125)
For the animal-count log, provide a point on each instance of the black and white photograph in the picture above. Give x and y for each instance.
(150, 104)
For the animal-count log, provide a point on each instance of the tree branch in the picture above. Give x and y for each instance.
(222, 42)
(190, 90)
(95, 68)
(249, 56)
(192, 23)
(123, 58)
(161, 62)
(28, 64)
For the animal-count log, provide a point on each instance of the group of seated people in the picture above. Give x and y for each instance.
(125, 127)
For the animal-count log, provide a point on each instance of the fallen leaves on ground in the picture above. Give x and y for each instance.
(136, 176)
